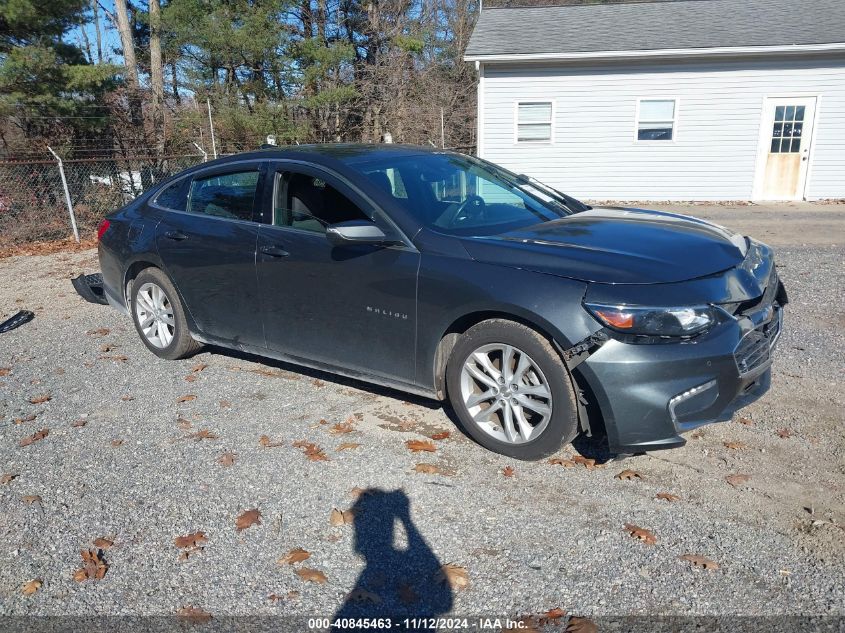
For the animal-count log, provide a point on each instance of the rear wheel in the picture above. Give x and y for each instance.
(159, 316)
(511, 390)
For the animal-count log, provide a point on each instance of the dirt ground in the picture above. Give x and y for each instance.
(129, 459)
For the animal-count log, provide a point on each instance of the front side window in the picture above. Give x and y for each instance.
(656, 121)
(229, 196)
(309, 203)
(534, 122)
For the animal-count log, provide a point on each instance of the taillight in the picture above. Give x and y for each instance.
(104, 226)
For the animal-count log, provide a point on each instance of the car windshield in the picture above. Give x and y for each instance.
(460, 195)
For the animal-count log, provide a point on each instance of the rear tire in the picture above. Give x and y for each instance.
(159, 316)
(515, 373)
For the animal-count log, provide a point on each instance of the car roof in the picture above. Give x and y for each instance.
(329, 153)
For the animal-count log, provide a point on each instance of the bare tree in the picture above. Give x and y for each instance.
(156, 75)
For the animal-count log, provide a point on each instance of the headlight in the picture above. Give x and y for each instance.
(651, 321)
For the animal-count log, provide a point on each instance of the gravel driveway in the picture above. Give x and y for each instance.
(139, 451)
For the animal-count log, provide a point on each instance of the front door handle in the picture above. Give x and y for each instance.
(176, 236)
(273, 251)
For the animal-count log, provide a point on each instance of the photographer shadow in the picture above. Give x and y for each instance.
(398, 582)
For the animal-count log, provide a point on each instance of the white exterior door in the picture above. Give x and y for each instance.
(784, 157)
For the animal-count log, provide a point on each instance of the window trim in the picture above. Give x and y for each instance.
(675, 120)
(553, 113)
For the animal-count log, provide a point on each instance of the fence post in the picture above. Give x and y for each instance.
(67, 194)
(202, 151)
(211, 128)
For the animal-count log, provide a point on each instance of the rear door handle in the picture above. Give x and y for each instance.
(176, 236)
(273, 251)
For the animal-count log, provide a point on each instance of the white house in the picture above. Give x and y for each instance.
(668, 100)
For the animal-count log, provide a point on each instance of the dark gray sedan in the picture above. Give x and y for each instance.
(443, 275)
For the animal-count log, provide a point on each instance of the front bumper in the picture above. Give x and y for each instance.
(649, 394)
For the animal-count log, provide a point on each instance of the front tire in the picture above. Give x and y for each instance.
(159, 316)
(511, 391)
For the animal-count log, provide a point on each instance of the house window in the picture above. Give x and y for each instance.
(656, 119)
(534, 122)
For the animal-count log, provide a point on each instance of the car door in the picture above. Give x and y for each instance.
(208, 250)
(348, 306)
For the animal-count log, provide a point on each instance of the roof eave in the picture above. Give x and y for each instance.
(726, 51)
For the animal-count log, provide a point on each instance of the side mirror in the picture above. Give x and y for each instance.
(355, 232)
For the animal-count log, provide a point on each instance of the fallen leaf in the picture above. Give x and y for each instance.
(196, 539)
(700, 561)
(183, 424)
(296, 555)
(103, 543)
(455, 576)
(202, 434)
(107, 347)
(356, 492)
(735, 446)
(267, 443)
(99, 332)
(35, 437)
(28, 418)
(118, 358)
(117, 443)
(667, 496)
(31, 587)
(417, 446)
(586, 462)
(199, 367)
(440, 436)
(5, 371)
(559, 461)
(248, 518)
(318, 383)
(342, 427)
(641, 534)
(225, 404)
(407, 595)
(311, 575)
(93, 566)
(227, 459)
(7, 478)
(41, 399)
(190, 378)
(186, 398)
(737, 479)
(347, 446)
(79, 424)
(629, 474)
(362, 595)
(581, 625)
(193, 614)
(508, 471)
(784, 433)
(554, 614)
(313, 452)
(428, 469)
(697, 435)
(30, 499)
(341, 517)
(746, 421)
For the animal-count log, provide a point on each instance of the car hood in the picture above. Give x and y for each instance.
(614, 245)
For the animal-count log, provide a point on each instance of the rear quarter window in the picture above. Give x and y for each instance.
(174, 196)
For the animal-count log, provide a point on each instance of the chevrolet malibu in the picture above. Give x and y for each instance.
(534, 315)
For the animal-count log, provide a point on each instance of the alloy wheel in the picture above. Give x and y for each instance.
(155, 315)
(506, 393)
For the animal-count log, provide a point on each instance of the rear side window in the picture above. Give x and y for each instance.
(174, 196)
(224, 195)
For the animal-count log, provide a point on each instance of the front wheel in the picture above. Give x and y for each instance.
(511, 390)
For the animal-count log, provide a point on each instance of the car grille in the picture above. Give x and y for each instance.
(756, 346)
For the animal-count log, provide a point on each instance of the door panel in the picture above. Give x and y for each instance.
(349, 306)
(788, 131)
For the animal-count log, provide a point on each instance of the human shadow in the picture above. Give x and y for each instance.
(399, 580)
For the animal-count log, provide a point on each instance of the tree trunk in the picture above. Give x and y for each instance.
(95, 6)
(156, 75)
(131, 65)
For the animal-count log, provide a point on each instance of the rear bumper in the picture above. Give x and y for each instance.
(650, 394)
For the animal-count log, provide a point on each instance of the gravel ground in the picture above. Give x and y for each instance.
(140, 472)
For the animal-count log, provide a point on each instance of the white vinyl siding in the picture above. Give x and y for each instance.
(716, 129)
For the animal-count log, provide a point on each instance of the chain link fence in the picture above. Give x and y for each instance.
(34, 206)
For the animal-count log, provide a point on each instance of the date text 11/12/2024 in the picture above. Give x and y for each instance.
(443, 625)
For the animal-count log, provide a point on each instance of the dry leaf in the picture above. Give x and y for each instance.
(629, 474)
(586, 462)
(93, 566)
(341, 517)
(784, 433)
(317, 382)
(342, 427)
(667, 496)
(186, 398)
(566, 463)
(41, 399)
(428, 469)
(554, 614)
(440, 436)
(199, 367)
(107, 347)
(296, 555)
(362, 595)
(100, 331)
(735, 446)
(267, 443)
(347, 446)
(117, 443)
(407, 595)
(581, 625)
(227, 459)
(28, 418)
(202, 434)
(417, 446)
(5, 371)
(357, 492)
(746, 421)
(247, 519)
(313, 452)
(700, 561)
(196, 539)
(455, 576)
(31, 587)
(311, 575)
(193, 614)
(190, 378)
(737, 479)
(183, 424)
(641, 534)
(508, 471)
(35, 437)
(30, 499)
(103, 543)
(79, 424)
(119, 358)
(7, 478)
(225, 404)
